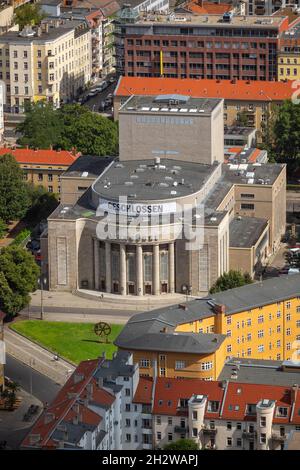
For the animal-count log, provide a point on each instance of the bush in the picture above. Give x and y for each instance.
(21, 236)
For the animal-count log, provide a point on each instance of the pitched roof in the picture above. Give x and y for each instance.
(43, 157)
(169, 391)
(233, 398)
(143, 392)
(239, 395)
(227, 89)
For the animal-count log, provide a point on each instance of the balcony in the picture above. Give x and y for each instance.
(251, 435)
(181, 429)
(209, 431)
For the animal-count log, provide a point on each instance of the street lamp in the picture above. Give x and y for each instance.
(31, 365)
(42, 281)
(187, 290)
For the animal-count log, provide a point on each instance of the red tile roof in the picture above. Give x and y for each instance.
(42, 157)
(168, 393)
(143, 392)
(239, 395)
(227, 89)
(61, 408)
(208, 8)
(232, 402)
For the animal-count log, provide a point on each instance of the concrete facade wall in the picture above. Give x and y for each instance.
(200, 142)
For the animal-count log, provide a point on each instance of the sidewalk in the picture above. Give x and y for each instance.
(94, 300)
(13, 428)
(36, 357)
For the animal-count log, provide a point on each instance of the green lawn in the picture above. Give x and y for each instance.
(73, 341)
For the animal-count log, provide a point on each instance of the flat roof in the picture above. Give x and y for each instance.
(238, 131)
(236, 90)
(256, 371)
(174, 104)
(87, 166)
(144, 180)
(212, 20)
(244, 232)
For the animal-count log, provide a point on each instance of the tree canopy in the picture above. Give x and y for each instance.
(182, 444)
(28, 14)
(14, 198)
(281, 134)
(70, 126)
(231, 280)
(18, 277)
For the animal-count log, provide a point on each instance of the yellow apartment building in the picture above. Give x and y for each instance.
(257, 321)
(51, 62)
(288, 60)
(42, 167)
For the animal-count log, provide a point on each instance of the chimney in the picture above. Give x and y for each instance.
(89, 389)
(182, 306)
(39, 31)
(294, 392)
(100, 382)
(219, 308)
(77, 377)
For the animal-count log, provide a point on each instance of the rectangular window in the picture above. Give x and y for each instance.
(145, 363)
(179, 364)
(247, 206)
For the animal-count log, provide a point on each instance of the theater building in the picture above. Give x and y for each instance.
(172, 187)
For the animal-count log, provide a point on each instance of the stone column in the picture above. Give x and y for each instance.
(139, 270)
(171, 269)
(155, 270)
(108, 266)
(96, 263)
(123, 280)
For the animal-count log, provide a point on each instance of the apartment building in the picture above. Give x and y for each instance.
(194, 339)
(255, 100)
(109, 405)
(224, 415)
(98, 408)
(51, 62)
(42, 167)
(198, 46)
(288, 55)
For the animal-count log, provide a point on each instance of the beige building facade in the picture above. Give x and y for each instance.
(170, 231)
(51, 63)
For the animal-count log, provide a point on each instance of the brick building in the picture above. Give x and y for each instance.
(197, 46)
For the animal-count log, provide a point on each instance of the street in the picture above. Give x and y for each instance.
(37, 357)
(30, 380)
(95, 101)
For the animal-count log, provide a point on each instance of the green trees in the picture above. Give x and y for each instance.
(41, 127)
(28, 14)
(18, 277)
(14, 199)
(281, 134)
(70, 126)
(182, 444)
(230, 280)
(3, 228)
(90, 133)
(42, 204)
